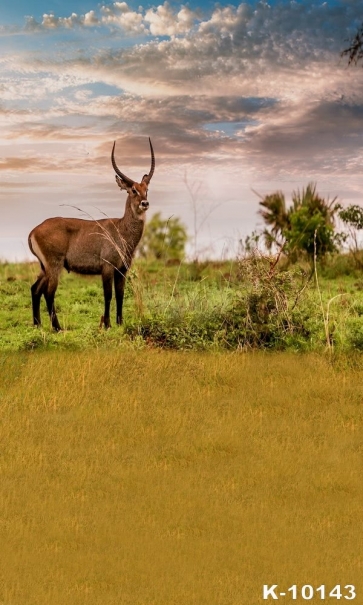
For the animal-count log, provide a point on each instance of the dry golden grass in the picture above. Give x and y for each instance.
(156, 478)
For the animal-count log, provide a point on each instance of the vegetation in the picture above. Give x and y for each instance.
(253, 302)
(162, 478)
(352, 217)
(305, 228)
(163, 239)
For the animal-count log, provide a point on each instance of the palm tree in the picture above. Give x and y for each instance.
(312, 224)
(305, 227)
(276, 216)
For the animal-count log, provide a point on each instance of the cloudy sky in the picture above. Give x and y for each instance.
(235, 97)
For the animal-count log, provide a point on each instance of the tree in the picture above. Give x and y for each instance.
(352, 217)
(164, 239)
(355, 49)
(306, 227)
(276, 216)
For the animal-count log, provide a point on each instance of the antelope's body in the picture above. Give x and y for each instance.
(105, 247)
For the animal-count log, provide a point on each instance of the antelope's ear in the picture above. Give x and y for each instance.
(120, 182)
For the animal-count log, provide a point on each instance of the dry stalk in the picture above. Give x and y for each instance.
(173, 290)
(326, 324)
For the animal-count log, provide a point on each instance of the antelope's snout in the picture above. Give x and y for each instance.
(144, 205)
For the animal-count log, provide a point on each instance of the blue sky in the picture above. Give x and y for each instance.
(14, 12)
(236, 97)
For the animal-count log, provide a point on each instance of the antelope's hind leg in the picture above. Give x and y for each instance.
(49, 294)
(37, 289)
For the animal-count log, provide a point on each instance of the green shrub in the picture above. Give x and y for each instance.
(355, 333)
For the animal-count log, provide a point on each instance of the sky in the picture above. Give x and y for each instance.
(237, 98)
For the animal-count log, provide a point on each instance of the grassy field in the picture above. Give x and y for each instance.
(191, 456)
(212, 306)
(166, 478)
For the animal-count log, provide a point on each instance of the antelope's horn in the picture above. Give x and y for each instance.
(147, 177)
(125, 178)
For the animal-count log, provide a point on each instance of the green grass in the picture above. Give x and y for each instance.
(210, 306)
(164, 478)
(151, 290)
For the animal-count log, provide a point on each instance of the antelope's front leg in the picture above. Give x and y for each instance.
(120, 277)
(107, 274)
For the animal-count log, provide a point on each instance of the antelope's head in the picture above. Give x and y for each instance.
(137, 192)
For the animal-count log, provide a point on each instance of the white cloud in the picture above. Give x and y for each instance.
(224, 20)
(51, 21)
(111, 11)
(165, 22)
(90, 19)
(120, 15)
(281, 33)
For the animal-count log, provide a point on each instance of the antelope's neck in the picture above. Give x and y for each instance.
(133, 226)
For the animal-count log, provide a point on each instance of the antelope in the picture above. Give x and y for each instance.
(91, 247)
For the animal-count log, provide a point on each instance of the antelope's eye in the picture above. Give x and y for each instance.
(134, 191)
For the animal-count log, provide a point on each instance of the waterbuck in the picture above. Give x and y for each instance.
(91, 247)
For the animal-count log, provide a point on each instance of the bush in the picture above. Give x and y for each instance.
(355, 333)
(263, 311)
